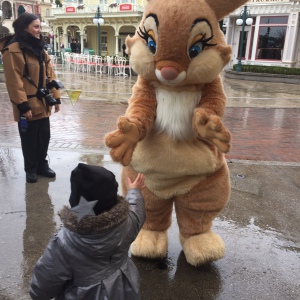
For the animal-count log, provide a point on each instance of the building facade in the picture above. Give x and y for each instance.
(75, 21)
(12, 9)
(273, 37)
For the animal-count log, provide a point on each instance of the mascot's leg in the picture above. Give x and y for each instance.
(152, 241)
(195, 212)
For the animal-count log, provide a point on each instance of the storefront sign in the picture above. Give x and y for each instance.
(125, 7)
(70, 9)
(268, 1)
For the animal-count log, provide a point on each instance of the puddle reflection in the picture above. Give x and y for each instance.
(40, 225)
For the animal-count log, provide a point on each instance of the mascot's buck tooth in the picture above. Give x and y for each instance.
(172, 130)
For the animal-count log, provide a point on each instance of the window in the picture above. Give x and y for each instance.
(271, 37)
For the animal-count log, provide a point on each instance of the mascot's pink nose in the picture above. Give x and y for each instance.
(169, 73)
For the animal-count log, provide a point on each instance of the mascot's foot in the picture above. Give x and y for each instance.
(150, 244)
(203, 248)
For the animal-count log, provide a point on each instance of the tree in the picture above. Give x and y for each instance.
(21, 10)
(58, 3)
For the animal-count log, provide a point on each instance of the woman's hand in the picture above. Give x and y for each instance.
(57, 108)
(28, 114)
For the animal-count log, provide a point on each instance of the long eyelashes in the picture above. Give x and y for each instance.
(196, 48)
(143, 34)
(199, 45)
(205, 41)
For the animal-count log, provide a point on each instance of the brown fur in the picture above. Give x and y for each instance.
(172, 130)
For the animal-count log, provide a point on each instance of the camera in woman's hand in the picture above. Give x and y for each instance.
(45, 92)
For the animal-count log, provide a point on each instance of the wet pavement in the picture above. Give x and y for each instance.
(260, 225)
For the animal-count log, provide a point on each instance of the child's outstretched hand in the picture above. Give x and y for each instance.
(138, 183)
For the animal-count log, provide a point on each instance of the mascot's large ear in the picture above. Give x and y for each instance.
(223, 8)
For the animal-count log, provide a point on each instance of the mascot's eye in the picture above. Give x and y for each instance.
(197, 48)
(151, 45)
(150, 42)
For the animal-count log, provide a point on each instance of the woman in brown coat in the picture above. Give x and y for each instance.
(29, 81)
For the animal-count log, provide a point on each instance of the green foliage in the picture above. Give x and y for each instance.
(21, 10)
(269, 69)
(58, 3)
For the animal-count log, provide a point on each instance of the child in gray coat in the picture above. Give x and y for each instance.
(88, 258)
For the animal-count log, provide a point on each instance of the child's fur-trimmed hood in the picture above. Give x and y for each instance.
(96, 224)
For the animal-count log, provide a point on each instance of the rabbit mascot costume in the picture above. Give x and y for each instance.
(172, 131)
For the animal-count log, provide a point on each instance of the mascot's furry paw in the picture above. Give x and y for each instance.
(203, 248)
(150, 244)
(123, 141)
(211, 128)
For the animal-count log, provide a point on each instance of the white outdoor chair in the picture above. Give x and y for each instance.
(104, 67)
(120, 63)
(53, 59)
(91, 63)
(66, 60)
(72, 59)
(128, 67)
(111, 66)
(81, 62)
(98, 64)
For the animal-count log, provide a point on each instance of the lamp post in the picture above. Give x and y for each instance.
(98, 20)
(245, 19)
(0, 24)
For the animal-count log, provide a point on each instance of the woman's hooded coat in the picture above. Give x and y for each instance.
(16, 54)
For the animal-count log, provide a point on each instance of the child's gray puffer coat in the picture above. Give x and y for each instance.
(89, 260)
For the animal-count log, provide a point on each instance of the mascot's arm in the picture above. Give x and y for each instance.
(207, 120)
(133, 127)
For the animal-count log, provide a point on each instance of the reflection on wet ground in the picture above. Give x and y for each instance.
(241, 93)
(100, 87)
(265, 125)
(39, 225)
(260, 224)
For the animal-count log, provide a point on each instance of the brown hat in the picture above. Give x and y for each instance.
(93, 183)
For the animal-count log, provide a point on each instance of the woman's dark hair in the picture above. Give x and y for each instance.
(22, 23)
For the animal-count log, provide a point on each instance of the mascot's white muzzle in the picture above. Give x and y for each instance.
(170, 75)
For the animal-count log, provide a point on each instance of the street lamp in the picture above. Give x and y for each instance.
(245, 19)
(0, 21)
(98, 20)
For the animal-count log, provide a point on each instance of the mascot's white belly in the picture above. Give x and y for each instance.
(172, 158)
(174, 113)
